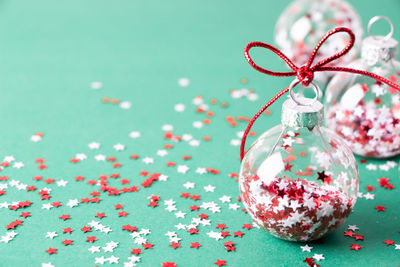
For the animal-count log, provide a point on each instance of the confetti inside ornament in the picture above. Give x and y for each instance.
(366, 112)
(303, 22)
(299, 181)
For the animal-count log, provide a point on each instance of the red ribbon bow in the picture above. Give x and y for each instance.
(304, 74)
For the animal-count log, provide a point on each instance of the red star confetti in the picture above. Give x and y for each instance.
(238, 233)
(220, 263)
(247, 226)
(195, 245)
(349, 233)
(67, 230)
(148, 246)
(91, 239)
(65, 217)
(67, 242)
(355, 247)
(222, 226)
(129, 228)
(86, 229)
(14, 224)
(51, 251)
(359, 237)
(25, 214)
(225, 234)
(193, 231)
(100, 215)
(389, 242)
(123, 214)
(370, 188)
(230, 246)
(136, 251)
(384, 182)
(380, 208)
(169, 264)
(175, 245)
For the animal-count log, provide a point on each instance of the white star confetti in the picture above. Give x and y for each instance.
(125, 105)
(183, 168)
(51, 235)
(96, 85)
(209, 188)
(188, 185)
(134, 134)
(94, 145)
(179, 107)
(306, 248)
(184, 82)
(119, 147)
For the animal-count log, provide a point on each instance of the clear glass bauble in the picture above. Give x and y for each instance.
(365, 112)
(305, 188)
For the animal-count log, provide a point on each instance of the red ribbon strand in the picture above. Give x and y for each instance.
(304, 74)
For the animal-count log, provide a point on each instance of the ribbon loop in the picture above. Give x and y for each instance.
(276, 51)
(339, 54)
(305, 74)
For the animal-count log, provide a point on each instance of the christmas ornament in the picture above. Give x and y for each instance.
(365, 112)
(303, 22)
(299, 181)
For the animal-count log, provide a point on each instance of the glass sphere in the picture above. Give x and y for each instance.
(365, 112)
(304, 22)
(304, 188)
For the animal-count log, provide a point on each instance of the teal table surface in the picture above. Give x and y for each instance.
(89, 90)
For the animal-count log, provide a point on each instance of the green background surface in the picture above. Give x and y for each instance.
(50, 52)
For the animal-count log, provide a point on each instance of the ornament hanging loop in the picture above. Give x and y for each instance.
(374, 20)
(303, 101)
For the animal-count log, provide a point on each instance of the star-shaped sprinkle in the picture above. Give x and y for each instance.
(209, 188)
(220, 263)
(355, 247)
(73, 203)
(91, 239)
(188, 185)
(119, 147)
(134, 134)
(67, 242)
(175, 245)
(51, 251)
(136, 251)
(94, 249)
(389, 242)
(380, 208)
(51, 235)
(353, 227)
(195, 245)
(306, 248)
(319, 257)
(183, 168)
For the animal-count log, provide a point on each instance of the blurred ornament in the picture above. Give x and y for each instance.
(366, 112)
(299, 181)
(303, 22)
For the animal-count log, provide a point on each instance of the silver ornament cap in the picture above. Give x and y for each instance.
(376, 48)
(297, 115)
